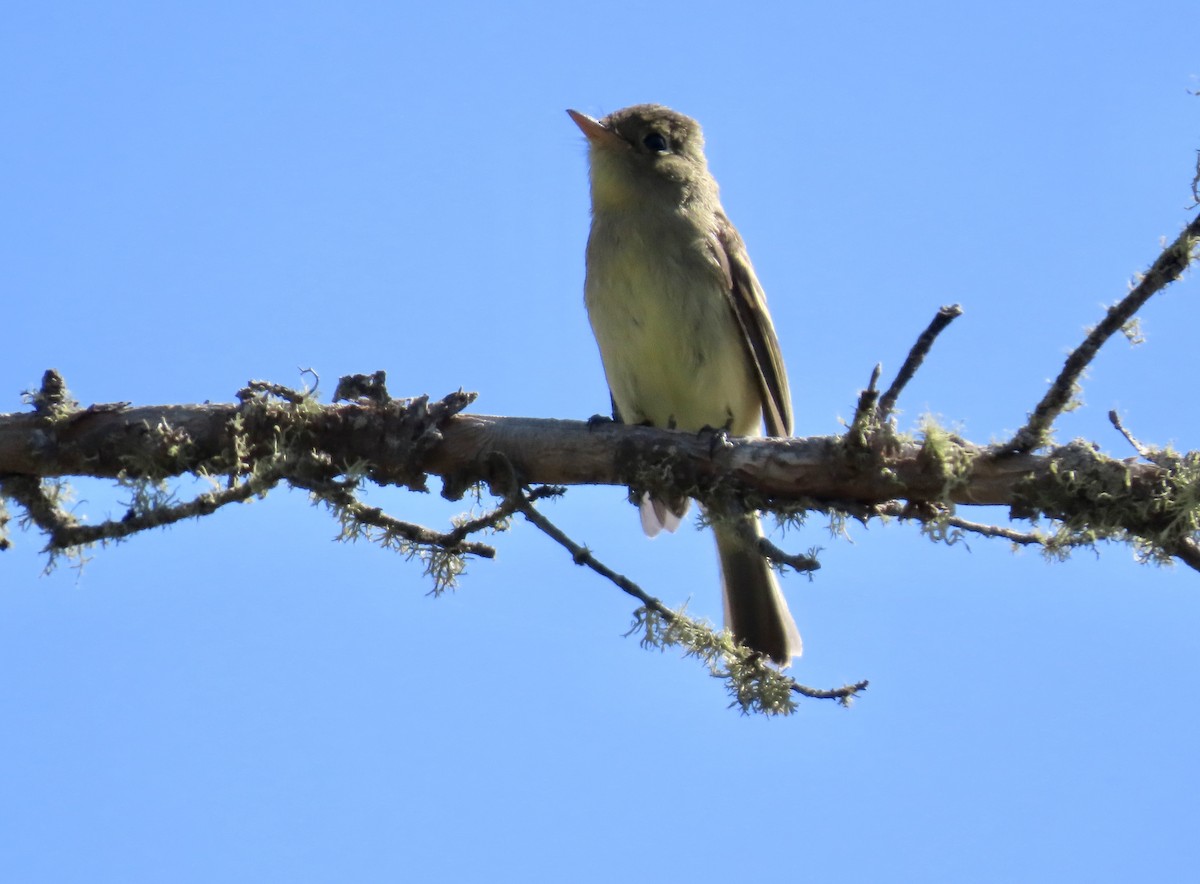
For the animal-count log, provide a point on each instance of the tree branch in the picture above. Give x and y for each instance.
(1168, 267)
(755, 685)
(916, 356)
(1068, 483)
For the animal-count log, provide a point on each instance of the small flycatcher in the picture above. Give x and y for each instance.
(683, 329)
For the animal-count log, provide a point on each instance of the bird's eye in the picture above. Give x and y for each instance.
(655, 142)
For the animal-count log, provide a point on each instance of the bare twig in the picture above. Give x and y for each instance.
(158, 516)
(1188, 552)
(507, 508)
(1141, 449)
(40, 507)
(765, 548)
(745, 665)
(581, 555)
(1196, 183)
(796, 561)
(354, 510)
(843, 694)
(864, 411)
(916, 356)
(1025, 538)
(1167, 268)
(936, 519)
(1030, 538)
(255, 389)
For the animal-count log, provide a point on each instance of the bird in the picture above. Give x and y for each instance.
(684, 334)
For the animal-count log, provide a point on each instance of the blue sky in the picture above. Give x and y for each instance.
(199, 196)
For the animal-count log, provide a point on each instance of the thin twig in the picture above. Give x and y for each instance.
(40, 507)
(748, 533)
(1167, 268)
(582, 556)
(159, 516)
(931, 514)
(1196, 183)
(1141, 449)
(1188, 552)
(503, 511)
(843, 694)
(338, 497)
(1026, 538)
(254, 389)
(916, 356)
(864, 411)
(796, 561)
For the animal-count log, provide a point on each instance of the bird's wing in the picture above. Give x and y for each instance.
(750, 307)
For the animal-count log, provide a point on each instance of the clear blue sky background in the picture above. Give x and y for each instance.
(197, 196)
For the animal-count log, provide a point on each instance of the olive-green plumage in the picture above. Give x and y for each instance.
(683, 328)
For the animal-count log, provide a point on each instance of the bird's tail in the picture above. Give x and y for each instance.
(755, 609)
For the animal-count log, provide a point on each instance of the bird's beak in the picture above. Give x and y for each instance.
(596, 134)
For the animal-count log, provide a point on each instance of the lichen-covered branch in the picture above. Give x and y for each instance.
(1168, 267)
(1086, 494)
(266, 440)
(754, 685)
(916, 356)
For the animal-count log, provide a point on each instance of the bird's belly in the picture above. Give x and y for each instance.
(673, 352)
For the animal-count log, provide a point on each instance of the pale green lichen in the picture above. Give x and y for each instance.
(1132, 331)
(1092, 497)
(942, 453)
(756, 687)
